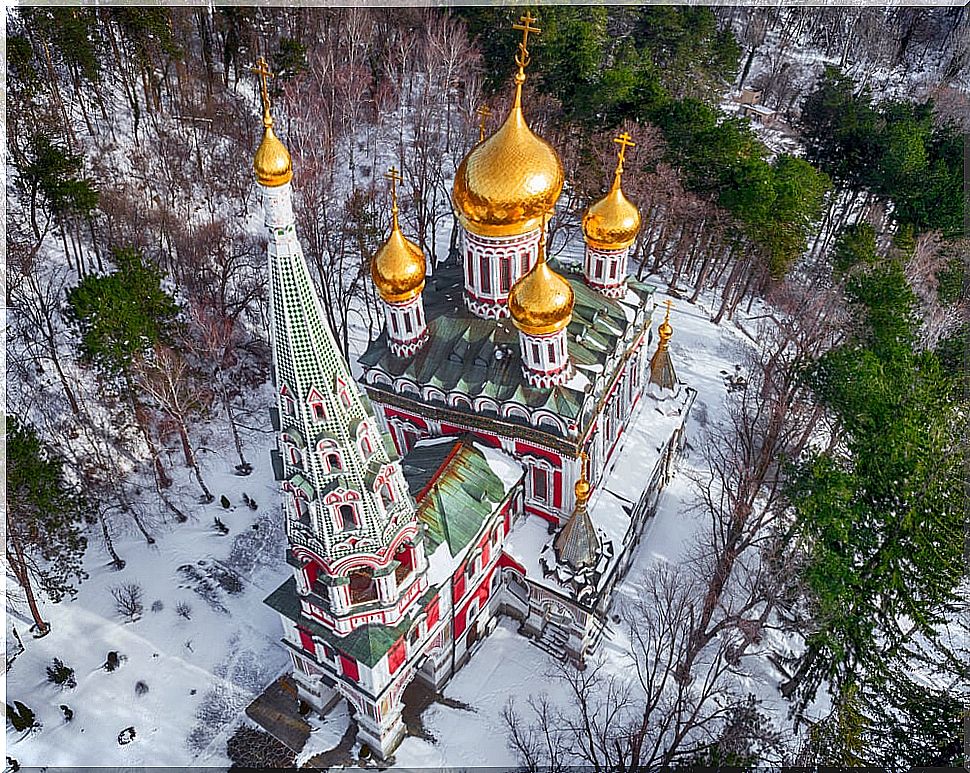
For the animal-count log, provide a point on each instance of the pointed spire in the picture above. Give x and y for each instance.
(661, 366)
(578, 545)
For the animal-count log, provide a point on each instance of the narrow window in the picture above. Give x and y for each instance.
(540, 487)
(505, 278)
(318, 413)
(613, 269)
(394, 325)
(524, 256)
(470, 268)
(486, 278)
(408, 327)
(348, 517)
(599, 269)
(536, 355)
(552, 352)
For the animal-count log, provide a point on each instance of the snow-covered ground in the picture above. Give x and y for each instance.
(200, 671)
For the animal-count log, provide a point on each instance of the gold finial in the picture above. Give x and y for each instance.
(665, 330)
(582, 487)
(541, 252)
(483, 112)
(262, 70)
(522, 57)
(395, 177)
(624, 142)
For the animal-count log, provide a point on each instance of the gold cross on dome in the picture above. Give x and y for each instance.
(395, 177)
(262, 70)
(624, 142)
(670, 304)
(522, 58)
(484, 112)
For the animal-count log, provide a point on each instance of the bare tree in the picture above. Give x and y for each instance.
(175, 390)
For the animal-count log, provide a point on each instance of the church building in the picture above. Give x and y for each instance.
(510, 438)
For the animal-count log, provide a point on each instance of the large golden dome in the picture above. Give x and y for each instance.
(272, 162)
(541, 302)
(398, 267)
(612, 222)
(509, 182)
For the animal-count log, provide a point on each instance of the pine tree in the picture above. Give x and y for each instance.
(123, 314)
(45, 543)
(880, 519)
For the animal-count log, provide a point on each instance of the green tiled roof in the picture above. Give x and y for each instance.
(479, 357)
(464, 493)
(367, 644)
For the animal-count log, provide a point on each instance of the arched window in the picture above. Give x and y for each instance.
(366, 447)
(319, 413)
(302, 509)
(296, 458)
(348, 517)
(548, 422)
(363, 587)
(386, 494)
(331, 461)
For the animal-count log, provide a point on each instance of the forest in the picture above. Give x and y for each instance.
(137, 328)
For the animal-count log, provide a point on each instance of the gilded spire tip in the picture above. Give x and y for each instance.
(262, 70)
(624, 141)
(395, 177)
(522, 56)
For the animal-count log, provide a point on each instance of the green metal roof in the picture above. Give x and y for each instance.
(459, 496)
(481, 358)
(366, 644)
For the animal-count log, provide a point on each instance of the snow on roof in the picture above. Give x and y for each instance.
(614, 499)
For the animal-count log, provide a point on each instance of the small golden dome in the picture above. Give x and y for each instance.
(541, 302)
(398, 267)
(272, 162)
(613, 222)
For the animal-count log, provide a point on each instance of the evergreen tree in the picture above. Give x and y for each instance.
(45, 543)
(49, 177)
(122, 314)
(880, 518)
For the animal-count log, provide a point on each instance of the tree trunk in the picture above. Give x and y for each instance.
(118, 561)
(190, 460)
(19, 566)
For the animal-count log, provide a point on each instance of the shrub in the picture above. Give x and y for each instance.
(21, 717)
(59, 674)
(68, 712)
(113, 661)
(157, 606)
(128, 600)
(141, 688)
(184, 609)
(219, 526)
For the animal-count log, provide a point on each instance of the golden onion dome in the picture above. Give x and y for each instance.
(272, 162)
(398, 267)
(541, 302)
(510, 181)
(613, 222)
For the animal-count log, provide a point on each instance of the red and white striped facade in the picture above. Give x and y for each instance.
(545, 358)
(605, 270)
(406, 327)
(492, 264)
